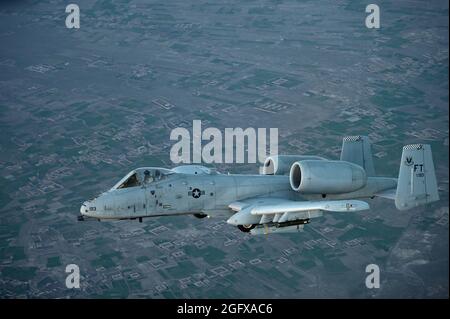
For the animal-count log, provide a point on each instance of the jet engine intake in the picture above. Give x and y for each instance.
(281, 164)
(326, 177)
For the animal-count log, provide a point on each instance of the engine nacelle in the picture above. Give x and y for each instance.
(326, 177)
(281, 164)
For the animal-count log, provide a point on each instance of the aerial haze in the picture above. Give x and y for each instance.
(80, 108)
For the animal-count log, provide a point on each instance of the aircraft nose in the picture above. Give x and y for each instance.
(84, 208)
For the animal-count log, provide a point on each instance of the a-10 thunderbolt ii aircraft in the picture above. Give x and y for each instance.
(290, 192)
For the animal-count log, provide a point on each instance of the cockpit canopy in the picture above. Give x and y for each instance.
(142, 176)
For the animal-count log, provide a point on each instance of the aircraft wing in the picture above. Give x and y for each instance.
(260, 201)
(276, 210)
(294, 206)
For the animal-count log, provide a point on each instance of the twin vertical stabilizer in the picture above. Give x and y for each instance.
(416, 179)
(416, 184)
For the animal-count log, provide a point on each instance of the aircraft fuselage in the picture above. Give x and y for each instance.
(208, 194)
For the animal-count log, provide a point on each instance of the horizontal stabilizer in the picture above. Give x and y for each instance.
(388, 194)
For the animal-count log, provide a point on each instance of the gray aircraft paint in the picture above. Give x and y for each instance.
(269, 202)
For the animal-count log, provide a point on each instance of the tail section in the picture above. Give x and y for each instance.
(416, 179)
(356, 149)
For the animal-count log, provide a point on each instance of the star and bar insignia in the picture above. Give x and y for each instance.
(196, 193)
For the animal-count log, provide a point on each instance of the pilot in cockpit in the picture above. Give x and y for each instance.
(147, 177)
(141, 177)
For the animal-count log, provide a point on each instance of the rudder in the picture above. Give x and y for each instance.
(356, 149)
(417, 183)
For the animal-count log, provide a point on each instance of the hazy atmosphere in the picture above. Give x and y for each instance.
(80, 108)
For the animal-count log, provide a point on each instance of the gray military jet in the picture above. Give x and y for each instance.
(292, 189)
